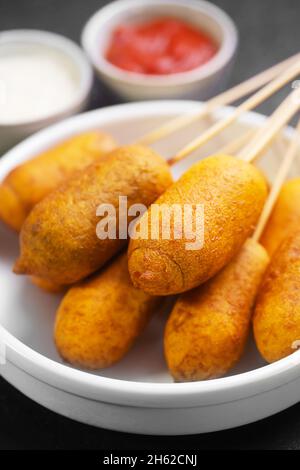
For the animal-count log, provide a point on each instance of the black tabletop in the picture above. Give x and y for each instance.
(269, 32)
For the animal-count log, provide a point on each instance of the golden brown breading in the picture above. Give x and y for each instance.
(47, 286)
(100, 318)
(31, 181)
(58, 239)
(232, 193)
(277, 314)
(285, 217)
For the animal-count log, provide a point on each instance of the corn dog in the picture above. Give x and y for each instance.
(100, 318)
(31, 181)
(47, 286)
(232, 193)
(208, 327)
(276, 319)
(58, 239)
(207, 330)
(285, 217)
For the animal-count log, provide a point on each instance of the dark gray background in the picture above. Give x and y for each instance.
(269, 32)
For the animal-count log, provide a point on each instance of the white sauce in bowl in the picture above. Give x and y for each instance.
(36, 82)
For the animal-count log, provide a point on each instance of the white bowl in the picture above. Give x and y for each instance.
(10, 133)
(199, 83)
(137, 395)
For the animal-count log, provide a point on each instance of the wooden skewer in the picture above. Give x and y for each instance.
(247, 105)
(229, 96)
(235, 145)
(278, 146)
(270, 129)
(279, 180)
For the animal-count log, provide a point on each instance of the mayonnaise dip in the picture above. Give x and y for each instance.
(36, 81)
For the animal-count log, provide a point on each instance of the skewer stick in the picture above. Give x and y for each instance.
(278, 146)
(229, 96)
(272, 126)
(247, 105)
(279, 180)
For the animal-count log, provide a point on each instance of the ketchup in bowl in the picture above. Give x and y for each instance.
(160, 47)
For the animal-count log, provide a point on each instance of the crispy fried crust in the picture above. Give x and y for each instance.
(208, 327)
(232, 193)
(31, 181)
(58, 239)
(277, 314)
(285, 217)
(47, 286)
(100, 318)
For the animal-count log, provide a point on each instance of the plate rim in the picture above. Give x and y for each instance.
(125, 392)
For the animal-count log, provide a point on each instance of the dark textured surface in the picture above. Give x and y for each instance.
(269, 32)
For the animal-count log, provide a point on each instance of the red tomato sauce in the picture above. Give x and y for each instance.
(160, 47)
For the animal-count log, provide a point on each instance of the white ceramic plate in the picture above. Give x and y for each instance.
(136, 395)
